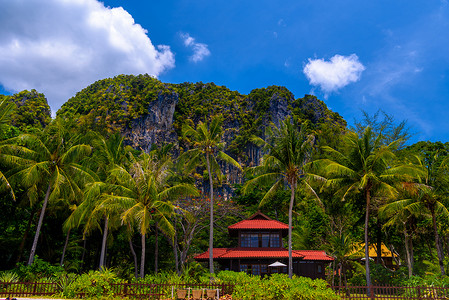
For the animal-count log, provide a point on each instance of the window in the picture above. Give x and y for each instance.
(254, 240)
(243, 268)
(264, 239)
(274, 240)
(245, 240)
(256, 269)
(319, 269)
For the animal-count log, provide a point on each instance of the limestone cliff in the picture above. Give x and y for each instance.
(149, 112)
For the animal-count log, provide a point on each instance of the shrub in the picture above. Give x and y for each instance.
(39, 269)
(94, 284)
(276, 287)
(381, 275)
(9, 276)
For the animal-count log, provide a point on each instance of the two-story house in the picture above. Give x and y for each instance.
(260, 250)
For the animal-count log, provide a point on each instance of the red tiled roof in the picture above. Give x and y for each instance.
(227, 253)
(314, 255)
(259, 224)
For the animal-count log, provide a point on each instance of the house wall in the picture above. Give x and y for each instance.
(312, 269)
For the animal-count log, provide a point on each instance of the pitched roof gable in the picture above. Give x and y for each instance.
(258, 221)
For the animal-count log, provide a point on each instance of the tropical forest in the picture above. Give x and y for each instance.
(133, 177)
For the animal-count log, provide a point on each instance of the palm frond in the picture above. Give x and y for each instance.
(271, 192)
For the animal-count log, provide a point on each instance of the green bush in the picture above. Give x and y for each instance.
(428, 281)
(94, 284)
(9, 276)
(38, 270)
(277, 286)
(381, 275)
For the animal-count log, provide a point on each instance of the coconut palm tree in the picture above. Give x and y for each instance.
(342, 247)
(6, 110)
(143, 195)
(288, 151)
(436, 180)
(425, 196)
(364, 169)
(207, 146)
(108, 154)
(50, 162)
(399, 214)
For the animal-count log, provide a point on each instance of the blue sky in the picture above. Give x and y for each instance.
(354, 55)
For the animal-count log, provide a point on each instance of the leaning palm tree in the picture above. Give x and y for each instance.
(143, 195)
(288, 151)
(364, 169)
(50, 162)
(207, 146)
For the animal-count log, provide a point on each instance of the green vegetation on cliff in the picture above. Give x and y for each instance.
(110, 105)
(32, 110)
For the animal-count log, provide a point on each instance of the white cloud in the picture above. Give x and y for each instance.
(59, 47)
(200, 50)
(332, 75)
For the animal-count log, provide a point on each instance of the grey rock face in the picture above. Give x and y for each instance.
(279, 108)
(155, 127)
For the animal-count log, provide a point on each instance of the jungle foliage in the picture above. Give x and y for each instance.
(333, 218)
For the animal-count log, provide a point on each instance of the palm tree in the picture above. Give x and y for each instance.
(364, 167)
(108, 154)
(436, 180)
(343, 249)
(288, 152)
(6, 110)
(426, 197)
(142, 194)
(399, 213)
(50, 161)
(207, 145)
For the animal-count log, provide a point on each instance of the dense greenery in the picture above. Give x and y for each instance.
(104, 202)
(109, 105)
(33, 111)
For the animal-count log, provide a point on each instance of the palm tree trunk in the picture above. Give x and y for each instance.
(25, 235)
(368, 275)
(333, 273)
(175, 249)
(343, 269)
(379, 241)
(65, 248)
(156, 249)
(437, 242)
(103, 243)
(412, 260)
(407, 253)
(84, 253)
(142, 258)
(340, 271)
(290, 213)
(131, 247)
(134, 257)
(39, 225)
(211, 226)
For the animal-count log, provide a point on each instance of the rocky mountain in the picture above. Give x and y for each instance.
(148, 111)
